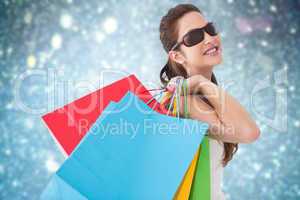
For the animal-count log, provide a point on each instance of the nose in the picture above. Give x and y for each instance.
(207, 38)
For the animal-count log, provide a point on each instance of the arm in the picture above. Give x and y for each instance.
(228, 120)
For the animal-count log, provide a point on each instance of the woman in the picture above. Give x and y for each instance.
(194, 48)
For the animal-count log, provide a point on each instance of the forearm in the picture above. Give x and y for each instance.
(209, 90)
(230, 112)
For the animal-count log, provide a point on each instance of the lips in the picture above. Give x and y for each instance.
(215, 46)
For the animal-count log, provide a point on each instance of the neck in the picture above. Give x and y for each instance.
(204, 71)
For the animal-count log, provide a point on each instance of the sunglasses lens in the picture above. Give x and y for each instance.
(193, 37)
(210, 29)
(197, 35)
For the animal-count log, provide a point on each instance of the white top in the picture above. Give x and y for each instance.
(216, 169)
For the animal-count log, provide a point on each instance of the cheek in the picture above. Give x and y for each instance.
(195, 56)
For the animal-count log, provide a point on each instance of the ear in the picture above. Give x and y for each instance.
(177, 57)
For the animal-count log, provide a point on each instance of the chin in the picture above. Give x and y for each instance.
(213, 60)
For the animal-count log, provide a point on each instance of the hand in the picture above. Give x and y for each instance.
(194, 83)
(173, 83)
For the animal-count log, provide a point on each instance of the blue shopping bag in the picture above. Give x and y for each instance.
(57, 188)
(131, 152)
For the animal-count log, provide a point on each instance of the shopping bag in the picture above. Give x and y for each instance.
(68, 136)
(52, 119)
(196, 183)
(184, 189)
(70, 123)
(58, 189)
(149, 166)
(201, 181)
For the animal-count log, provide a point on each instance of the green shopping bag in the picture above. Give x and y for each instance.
(200, 189)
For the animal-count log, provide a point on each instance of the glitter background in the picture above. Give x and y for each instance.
(76, 40)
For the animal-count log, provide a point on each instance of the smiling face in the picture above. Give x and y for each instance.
(195, 59)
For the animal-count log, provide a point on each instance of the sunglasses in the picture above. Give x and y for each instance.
(196, 36)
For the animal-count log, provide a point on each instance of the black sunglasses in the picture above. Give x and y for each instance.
(196, 36)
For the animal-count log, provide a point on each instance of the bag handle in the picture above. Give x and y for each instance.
(175, 91)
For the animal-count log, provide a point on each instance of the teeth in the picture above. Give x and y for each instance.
(211, 51)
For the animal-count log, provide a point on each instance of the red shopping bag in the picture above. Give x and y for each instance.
(70, 123)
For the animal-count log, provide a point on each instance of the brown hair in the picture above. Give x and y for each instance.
(168, 36)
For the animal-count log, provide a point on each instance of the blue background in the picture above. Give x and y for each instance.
(75, 41)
